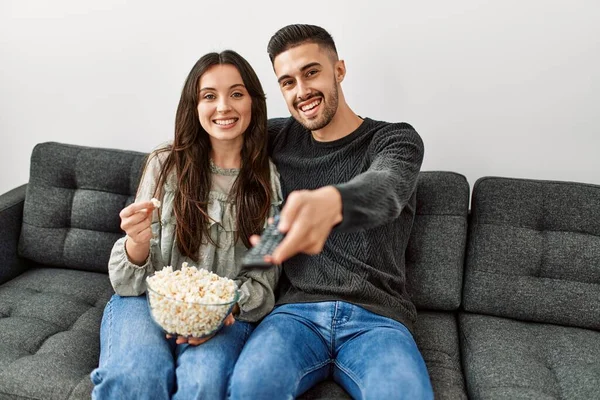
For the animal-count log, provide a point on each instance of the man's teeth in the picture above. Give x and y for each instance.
(310, 105)
(225, 121)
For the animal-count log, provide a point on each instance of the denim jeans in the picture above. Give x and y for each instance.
(138, 362)
(299, 345)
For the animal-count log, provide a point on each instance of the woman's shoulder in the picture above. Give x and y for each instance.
(273, 168)
(160, 153)
(156, 159)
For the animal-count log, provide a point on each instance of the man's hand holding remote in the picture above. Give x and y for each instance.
(307, 220)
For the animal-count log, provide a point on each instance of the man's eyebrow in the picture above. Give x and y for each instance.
(304, 68)
(231, 87)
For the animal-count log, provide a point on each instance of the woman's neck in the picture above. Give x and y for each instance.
(226, 155)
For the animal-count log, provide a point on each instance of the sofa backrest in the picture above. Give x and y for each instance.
(72, 204)
(534, 251)
(436, 248)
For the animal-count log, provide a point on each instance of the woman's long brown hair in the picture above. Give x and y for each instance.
(190, 157)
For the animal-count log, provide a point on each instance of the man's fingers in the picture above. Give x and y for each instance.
(291, 245)
(290, 210)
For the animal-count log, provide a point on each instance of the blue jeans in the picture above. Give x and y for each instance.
(138, 362)
(299, 345)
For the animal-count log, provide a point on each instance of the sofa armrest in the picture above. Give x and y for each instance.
(11, 217)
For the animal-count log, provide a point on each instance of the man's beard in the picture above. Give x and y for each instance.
(327, 114)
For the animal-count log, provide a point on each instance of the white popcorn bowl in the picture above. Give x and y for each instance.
(188, 319)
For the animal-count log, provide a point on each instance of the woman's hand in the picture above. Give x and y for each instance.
(193, 341)
(136, 220)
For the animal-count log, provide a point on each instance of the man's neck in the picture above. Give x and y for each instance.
(343, 123)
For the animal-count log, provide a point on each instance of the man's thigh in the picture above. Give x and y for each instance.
(382, 360)
(284, 356)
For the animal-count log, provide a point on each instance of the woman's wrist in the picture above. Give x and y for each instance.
(136, 253)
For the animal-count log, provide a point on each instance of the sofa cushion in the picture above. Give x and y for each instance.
(534, 251)
(325, 390)
(72, 205)
(11, 213)
(436, 334)
(509, 359)
(436, 248)
(49, 332)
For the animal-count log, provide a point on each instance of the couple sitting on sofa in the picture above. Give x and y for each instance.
(342, 308)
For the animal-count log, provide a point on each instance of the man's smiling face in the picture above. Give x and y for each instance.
(308, 82)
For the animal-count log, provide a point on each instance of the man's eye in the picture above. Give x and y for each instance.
(286, 83)
(312, 72)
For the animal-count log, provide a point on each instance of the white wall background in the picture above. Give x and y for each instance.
(505, 88)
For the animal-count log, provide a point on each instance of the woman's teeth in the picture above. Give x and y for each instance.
(225, 121)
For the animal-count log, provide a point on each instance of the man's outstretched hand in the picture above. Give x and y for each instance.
(307, 220)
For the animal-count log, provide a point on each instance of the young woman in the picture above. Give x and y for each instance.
(217, 188)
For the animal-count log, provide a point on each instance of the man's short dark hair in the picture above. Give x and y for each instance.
(297, 34)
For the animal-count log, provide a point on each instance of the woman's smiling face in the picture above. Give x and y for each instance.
(224, 104)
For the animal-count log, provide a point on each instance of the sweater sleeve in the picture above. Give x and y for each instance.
(127, 278)
(378, 195)
(258, 285)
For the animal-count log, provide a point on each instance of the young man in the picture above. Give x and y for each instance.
(343, 310)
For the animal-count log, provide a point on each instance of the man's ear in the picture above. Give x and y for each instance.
(340, 70)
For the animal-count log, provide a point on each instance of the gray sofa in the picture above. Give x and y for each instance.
(508, 293)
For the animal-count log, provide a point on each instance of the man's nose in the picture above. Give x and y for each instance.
(304, 92)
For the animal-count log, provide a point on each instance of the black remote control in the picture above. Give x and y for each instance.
(269, 240)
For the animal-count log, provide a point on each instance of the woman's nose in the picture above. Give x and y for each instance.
(223, 106)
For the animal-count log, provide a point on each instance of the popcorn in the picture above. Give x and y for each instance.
(190, 301)
(155, 202)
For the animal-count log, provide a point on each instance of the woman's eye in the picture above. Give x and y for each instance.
(237, 94)
(209, 96)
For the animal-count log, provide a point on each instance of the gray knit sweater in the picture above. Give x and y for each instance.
(375, 168)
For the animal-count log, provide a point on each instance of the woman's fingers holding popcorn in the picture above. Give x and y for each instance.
(142, 236)
(136, 220)
(143, 207)
(181, 340)
(230, 320)
(191, 340)
(196, 341)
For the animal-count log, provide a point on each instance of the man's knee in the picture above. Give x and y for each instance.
(244, 379)
(250, 381)
(408, 384)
